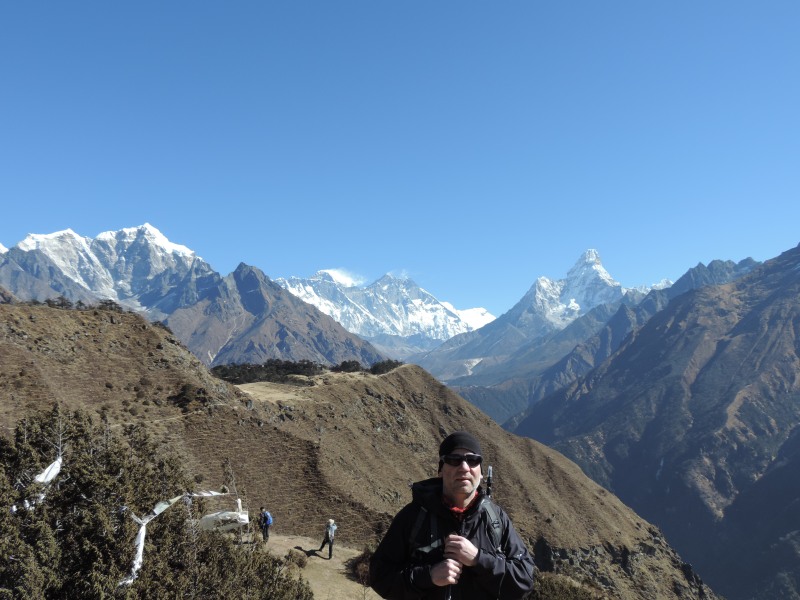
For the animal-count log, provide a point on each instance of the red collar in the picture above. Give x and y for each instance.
(457, 511)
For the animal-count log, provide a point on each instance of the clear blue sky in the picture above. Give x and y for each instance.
(473, 146)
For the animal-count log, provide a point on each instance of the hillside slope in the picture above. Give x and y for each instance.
(694, 418)
(344, 446)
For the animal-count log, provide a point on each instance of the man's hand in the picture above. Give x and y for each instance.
(460, 549)
(446, 572)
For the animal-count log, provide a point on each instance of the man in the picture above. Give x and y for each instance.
(330, 533)
(265, 522)
(452, 541)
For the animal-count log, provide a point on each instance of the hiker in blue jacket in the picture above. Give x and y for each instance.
(264, 522)
(452, 541)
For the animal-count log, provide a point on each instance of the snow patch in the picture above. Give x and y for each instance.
(345, 278)
(471, 364)
(474, 317)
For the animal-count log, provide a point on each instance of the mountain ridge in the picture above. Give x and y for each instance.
(548, 308)
(143, 271)
(599, 336)
(694, 413)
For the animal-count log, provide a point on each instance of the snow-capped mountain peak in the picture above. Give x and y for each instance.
(117, 265)
(72, 254)
(341, 277)
(589, 284)
(391, 306)
(146, 233)
(47, 241)
(3, 249)
(589, 267)
(560, 302)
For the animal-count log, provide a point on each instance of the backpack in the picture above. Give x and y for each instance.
(266, 518)
(493, 523)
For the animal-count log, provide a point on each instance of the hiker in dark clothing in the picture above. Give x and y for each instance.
(330, 532)
(264, 522)
(452, 541)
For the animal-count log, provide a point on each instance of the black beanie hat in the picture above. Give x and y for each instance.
(460, 439)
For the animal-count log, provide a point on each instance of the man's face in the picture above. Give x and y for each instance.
(460, 482)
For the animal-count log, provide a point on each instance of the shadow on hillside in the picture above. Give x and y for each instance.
(357, 568)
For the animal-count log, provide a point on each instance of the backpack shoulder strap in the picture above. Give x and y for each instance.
(421, 514)
(494, 524)
(418, 545)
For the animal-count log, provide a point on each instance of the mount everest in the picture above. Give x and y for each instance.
(393, 313)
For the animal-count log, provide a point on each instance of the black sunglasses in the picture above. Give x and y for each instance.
(455, 460)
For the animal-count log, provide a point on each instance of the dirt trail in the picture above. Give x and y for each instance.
(329, 579)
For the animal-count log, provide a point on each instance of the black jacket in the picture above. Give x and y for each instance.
(400, 567)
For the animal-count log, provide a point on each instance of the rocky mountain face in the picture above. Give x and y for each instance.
(394, 314)
(246, 318)
(551, 319)
(7, 297)
(143, 271)
(33, 274)
(592, 339)
(353, 440)
(137, 267)
(693, 422)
